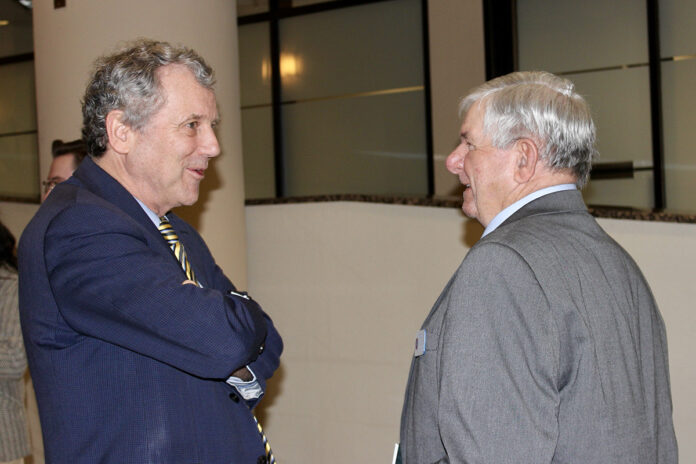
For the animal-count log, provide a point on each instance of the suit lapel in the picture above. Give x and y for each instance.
(100, 183)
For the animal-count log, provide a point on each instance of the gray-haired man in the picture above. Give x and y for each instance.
(546, 346)
(140, 347)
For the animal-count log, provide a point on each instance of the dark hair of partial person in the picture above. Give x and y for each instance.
(543, 107)
(128, 81)
(77, 148)
(7, 248)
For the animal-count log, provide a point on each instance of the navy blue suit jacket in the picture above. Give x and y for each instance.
(129, 365)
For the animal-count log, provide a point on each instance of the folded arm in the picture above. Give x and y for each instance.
(110, 283)
(268, 360)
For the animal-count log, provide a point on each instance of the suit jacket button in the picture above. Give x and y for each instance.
(234, 397)
(262, 460)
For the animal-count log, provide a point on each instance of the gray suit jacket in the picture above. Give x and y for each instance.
(14, 441)
(546, 346)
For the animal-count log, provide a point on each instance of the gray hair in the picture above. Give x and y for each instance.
(543, 107)
(128, 81)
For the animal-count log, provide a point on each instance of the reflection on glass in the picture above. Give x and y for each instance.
(254, 56)
(352, 50)
(353, 104)
(567, 35)
(369, 145)
(620, 105)
(290, 67)
(347, 133)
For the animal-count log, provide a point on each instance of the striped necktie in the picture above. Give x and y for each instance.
(270, 459)
(177, 247)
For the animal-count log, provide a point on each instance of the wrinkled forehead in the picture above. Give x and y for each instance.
(180, 91)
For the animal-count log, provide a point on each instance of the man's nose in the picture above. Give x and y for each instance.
(454, 161)
(210, 144)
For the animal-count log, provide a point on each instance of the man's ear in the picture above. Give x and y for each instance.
(527, 157)
(119, 133)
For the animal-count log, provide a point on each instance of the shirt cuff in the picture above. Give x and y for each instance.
(249, 390)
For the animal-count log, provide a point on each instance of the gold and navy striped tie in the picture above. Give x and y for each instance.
(177, 247)
(270, 459)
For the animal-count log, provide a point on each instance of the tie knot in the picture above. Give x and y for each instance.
(167, 231)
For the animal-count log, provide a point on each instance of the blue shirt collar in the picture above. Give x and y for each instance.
(151, 214)
(510, 210)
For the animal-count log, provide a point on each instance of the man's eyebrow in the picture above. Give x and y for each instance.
(197, 116)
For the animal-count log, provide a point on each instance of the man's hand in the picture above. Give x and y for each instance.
(243, 374)
(191, 282)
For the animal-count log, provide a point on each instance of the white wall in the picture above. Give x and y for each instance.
(349, 284)
(666, 254)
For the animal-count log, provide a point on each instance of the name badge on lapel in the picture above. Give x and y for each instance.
(420, 344)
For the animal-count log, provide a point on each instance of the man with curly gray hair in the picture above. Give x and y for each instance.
(141, 349)
(546, 346)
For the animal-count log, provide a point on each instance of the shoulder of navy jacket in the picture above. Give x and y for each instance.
(244, 295)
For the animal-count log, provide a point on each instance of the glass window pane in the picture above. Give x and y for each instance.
(19, 170)
(677, 32)
(254, 64)
(17, 97)
(250, 7)
(351, 50)
(636, 192)
(369, 145)
(678, 103)
(620, 104)
(567, 35)
(257, 135)
(15, 37)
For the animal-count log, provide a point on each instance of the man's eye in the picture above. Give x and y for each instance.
(192, 124)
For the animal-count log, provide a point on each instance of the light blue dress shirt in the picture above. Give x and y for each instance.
(151, 214)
